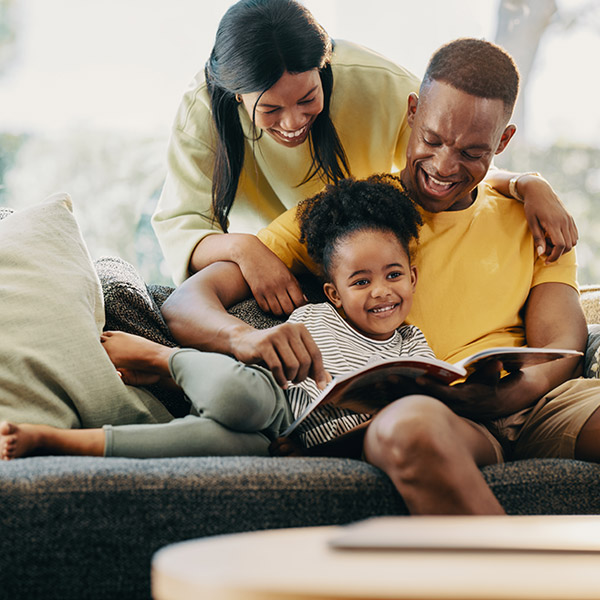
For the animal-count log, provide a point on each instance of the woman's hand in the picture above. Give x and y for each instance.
(273, 286)
(287, 350)
(553, 228)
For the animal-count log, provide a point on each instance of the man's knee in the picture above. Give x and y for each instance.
(409, 434)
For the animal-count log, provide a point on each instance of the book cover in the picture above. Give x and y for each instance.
(372, 387)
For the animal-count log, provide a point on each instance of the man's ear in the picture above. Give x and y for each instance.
(332, 294)
(506, 137)
(413, 102)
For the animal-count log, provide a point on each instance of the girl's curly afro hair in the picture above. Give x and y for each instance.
(378, 202)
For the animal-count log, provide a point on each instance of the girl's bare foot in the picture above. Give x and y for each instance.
(18, 440)
(140, 361)
(21, 440)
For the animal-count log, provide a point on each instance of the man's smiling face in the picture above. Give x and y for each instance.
(453, 140)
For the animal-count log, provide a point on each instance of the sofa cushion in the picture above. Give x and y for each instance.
(53, 368)
(110, 515)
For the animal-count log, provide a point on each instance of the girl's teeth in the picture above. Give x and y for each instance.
(378, 310)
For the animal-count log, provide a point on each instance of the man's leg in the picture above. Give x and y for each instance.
(433, 457)
(587, 446)
(563, 424)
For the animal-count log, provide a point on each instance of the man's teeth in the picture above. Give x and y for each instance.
(438, 182)
(294, 134)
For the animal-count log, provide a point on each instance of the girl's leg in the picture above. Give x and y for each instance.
(28, 440)
(189, 436)
(238, 396)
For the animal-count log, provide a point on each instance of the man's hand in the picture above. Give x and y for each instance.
(483, 395)
(287, 350)
(553, 228)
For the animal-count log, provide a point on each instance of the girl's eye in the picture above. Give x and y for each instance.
(395, 275)
(360, 282)
(269, 112)
(307, 101)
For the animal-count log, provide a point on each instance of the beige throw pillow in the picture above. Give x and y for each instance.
(53, 368)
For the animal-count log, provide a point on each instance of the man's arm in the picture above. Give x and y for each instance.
(196, 315)
(553, 319)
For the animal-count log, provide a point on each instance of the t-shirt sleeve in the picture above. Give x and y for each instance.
(564, 270)
(282, 237)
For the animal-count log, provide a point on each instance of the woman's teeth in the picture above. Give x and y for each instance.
(293, 134)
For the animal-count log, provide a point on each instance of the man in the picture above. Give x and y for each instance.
(481, 284)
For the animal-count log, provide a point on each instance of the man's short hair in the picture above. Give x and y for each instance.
(477, 67)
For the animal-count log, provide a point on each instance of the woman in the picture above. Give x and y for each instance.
(278, 112)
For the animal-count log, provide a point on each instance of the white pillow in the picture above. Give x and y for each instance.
(53, 368)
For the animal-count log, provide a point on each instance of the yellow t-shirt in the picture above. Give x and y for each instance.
(476, 268)
(368, 109)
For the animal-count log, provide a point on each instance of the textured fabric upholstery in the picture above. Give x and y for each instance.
(76, 528)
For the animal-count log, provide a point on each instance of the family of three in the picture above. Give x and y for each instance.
(477, 277)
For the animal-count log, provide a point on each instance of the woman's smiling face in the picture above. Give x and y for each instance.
(287, 110)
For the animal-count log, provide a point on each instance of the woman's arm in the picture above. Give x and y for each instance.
(273, 286)
(552, 227)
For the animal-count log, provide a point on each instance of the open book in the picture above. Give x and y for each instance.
(370, 388)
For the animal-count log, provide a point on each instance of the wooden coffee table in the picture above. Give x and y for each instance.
(300, 564)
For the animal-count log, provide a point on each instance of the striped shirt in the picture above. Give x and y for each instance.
(343, 350)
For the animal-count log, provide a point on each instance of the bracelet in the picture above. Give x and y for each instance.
(512, 185)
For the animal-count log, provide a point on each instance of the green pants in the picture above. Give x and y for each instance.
(237, 409)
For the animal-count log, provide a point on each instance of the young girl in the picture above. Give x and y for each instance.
(361, 233)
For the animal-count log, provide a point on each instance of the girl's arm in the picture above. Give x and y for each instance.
(552, 227)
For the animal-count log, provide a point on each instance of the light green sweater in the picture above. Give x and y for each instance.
(368, 109)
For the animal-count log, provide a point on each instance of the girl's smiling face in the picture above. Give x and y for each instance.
(373, 281)
(287, 110)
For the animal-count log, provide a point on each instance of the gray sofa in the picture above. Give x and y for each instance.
(79, 527)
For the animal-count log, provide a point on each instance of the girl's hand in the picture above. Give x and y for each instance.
(553, 228)
(273, 286)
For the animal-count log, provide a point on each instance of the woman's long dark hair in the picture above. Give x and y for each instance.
(256, 42)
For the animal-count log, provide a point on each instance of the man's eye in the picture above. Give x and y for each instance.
(472, 156)
(431, 143)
